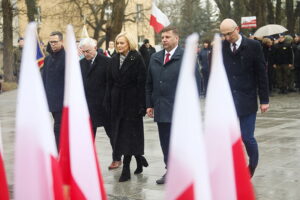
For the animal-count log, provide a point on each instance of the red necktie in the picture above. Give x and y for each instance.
(234, 48)
(167, 58)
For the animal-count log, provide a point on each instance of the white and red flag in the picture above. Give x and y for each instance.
(36, 170)
(158, 19)
(188, 174)
(229, 174)
(4, 193)
(78, 159)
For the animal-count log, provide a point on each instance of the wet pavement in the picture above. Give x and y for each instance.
(277, 176)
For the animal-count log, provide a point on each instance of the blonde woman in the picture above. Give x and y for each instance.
(126, 82)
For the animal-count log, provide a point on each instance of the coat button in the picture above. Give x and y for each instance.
(160, 81)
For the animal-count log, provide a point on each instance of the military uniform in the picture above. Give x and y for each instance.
(17, 62)
(283, 57)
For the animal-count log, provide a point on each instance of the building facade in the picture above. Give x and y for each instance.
(54, 15)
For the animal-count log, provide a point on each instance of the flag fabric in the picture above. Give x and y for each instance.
(229, 174)
(84, 32)
(4, 193)
(40, 56)
(158, 19)
(187, 176)
(36, 171)
(78, 159)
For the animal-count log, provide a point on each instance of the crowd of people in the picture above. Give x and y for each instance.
(282, 56)
(124, 83)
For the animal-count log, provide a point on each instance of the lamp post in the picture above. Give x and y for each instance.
(107, 17)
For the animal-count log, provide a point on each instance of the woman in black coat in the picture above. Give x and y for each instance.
(126, 82)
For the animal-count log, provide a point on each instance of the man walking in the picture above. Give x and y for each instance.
(53, 75)
(161, 85)
(94, 69)
(246, 71)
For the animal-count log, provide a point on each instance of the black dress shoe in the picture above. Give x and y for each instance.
(141, 162)
(161, 180)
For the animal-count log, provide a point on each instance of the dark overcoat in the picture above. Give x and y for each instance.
(94, 81)
(127, 103)
(161, 84)
(246, 71)
(53, 75)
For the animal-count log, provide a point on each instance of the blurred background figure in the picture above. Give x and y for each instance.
(17, 58)
(126, 100)
(296, 49)
(111, 51)
(205, 62)
(268, 54)
(146, 51)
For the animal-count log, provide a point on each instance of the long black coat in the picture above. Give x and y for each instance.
(94, 81)
(53, 75)
(246, 71)
(161, 84)
(126, 94)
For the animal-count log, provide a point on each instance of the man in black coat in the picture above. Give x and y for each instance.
(246, 70)
(53, 75)
(146, 50)
(94, 71)
(161, 86)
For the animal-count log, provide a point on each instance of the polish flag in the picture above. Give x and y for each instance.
(36, 171)
(188, 173)
(78, 159)
(4, 194)
(158, 19)
(229, 175)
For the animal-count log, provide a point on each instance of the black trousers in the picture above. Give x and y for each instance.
(107, 128)
(57, 123)
(164, 131)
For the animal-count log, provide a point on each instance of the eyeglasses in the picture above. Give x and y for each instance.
(229, 33)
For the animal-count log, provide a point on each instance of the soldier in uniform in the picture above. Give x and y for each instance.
(283, 63)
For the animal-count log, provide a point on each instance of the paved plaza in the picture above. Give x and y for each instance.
(277, 176)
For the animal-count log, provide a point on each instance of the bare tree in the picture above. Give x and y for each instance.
(7, 12)
(106, 18)
(31, 9)
(292, 14)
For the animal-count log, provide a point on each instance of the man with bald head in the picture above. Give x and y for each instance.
(246, 72)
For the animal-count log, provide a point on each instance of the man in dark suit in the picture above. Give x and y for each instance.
(94, 71)
(161, 85)
(53, 75)
(246, 70)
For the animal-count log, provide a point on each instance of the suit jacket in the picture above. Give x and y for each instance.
(161, 84)
(246, 71)
(94, 81)
(53, 75)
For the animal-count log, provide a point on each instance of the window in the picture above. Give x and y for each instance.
(139, 12)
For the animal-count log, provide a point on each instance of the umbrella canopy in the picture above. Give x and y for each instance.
(270, 29)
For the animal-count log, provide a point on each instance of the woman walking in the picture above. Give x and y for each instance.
(126, 82)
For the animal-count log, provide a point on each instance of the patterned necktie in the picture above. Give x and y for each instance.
(167, 58)
(234, 48)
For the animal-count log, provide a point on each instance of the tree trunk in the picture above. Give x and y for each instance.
(117, 19)
(225, 8)
(270, 11)
(278, 12)
(291, 19)
(7, 40)
(31, 10)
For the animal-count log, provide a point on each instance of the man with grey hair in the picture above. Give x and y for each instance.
(246, 71)
(94, 70)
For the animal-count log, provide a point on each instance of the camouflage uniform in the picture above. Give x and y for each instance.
(17, 62)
